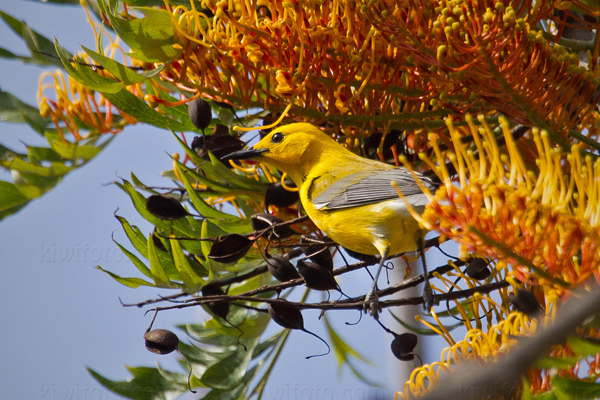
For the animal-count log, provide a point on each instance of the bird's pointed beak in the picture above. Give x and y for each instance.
(246, 154)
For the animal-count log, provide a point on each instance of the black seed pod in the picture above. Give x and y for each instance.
(318, 253)
(262, 221)
(287, 316)
(219, 309)
(478, 269)
(526, 302)
(200, 113)
(220, 143)
(158, 243)
(165, 207)
(317, 277)
(281, 268)
(161, 341)
(278, 196)
(291, 318)
(403, 346)
(229, 248)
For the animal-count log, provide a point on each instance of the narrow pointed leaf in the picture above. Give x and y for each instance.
(158, 272)
(129, 282)
(192, 280)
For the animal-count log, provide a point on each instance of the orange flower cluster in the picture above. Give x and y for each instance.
(384, 63)
(545, 225)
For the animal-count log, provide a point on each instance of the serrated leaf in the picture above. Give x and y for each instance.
(121, 72)
(129, 282)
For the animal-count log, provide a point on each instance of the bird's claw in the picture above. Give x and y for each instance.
(371, 304)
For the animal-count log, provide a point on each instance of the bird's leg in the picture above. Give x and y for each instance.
(371, 303)
(427, 291)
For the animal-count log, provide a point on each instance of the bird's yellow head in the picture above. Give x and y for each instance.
(293, 149)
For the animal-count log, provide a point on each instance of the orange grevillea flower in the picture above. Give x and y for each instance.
(541, 220)
(341, 61)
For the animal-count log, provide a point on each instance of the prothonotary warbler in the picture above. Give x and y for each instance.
(350, 198)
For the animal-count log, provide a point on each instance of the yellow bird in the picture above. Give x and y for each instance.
(348, 197)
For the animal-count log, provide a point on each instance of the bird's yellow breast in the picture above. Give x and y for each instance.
(369, 229)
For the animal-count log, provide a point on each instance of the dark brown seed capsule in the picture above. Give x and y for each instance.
(263, 221)
(317, 277)
(403, 346)
(478, 269)
(318, 253)
(526, 302)
(219, 309)
(281, 268)
(200, 113)
(161, 341)
(278, 196)
(220, 143)
(287, 316)
(230, 248)
(157, 242)
(165, 207)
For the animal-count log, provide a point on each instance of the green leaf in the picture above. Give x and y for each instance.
(150, 38)
(129, 282)
(73, 151)
(130, 104)
(86, 76)
(147, 384)
(35, 42)
(11, 199)
(555, 362)
(228, 373)
(227, 222)
(120, 71)
(158, 272)
(136, 261)
(582, 347)
(192, 280)
(10, 55)
(14, 110)
(575, 388)
(135, 236)
(56, 169)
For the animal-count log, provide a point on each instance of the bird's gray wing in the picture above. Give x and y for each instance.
(366, 187)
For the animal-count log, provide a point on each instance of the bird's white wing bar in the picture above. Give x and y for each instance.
(364, 187)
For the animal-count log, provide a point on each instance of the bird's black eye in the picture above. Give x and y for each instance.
(277, 137)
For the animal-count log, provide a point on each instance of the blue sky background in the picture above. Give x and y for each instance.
(59, 314)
